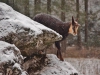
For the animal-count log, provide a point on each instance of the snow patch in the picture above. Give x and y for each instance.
(16, 65)
(7, 52)
(57, 67)
(86, 66)
(10, 56)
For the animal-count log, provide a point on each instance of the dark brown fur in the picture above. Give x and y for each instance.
(57, 25)
(61, 27)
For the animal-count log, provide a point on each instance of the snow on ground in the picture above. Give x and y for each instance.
(10, 20)
(57, 67)
(86, 66)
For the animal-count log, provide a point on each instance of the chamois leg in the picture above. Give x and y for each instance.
(59, 55)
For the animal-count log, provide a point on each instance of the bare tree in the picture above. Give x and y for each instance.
(86, 20)
(7, 1)
(11, 3)
(63, 10)
(49, 6)
(1, 0)
(16, 3)
(63, 43)
(79, 35)
(26, 7)
(37, 6)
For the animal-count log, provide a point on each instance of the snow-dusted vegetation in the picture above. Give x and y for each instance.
(86, 66)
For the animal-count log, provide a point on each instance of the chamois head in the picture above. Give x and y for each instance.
(73, 27)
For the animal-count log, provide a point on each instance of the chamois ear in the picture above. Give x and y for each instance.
(73, 22)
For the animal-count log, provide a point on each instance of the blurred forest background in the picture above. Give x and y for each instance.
(87, 43)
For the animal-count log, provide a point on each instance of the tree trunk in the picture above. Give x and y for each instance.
(79, 43)
(26, 7)
(63, 10)
(3, 1)
(11, 3)
(86, 21)
(15, 4)
(63, 43)
(37, 6)
(48, 6)
(7, 1)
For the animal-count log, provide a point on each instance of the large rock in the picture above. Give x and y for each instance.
(10, 60)
(11, 63)
(51, 66)
(28, 35)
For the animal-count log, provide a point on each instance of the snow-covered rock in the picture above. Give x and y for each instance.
(9, 53)
(10, 59)
(11, 63)
(51, 66)
(57, 67)
(28, 35)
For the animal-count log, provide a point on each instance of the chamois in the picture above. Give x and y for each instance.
(59, 26)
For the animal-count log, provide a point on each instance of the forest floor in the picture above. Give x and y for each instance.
(86, 60)
(74, 52)
(85, 66)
